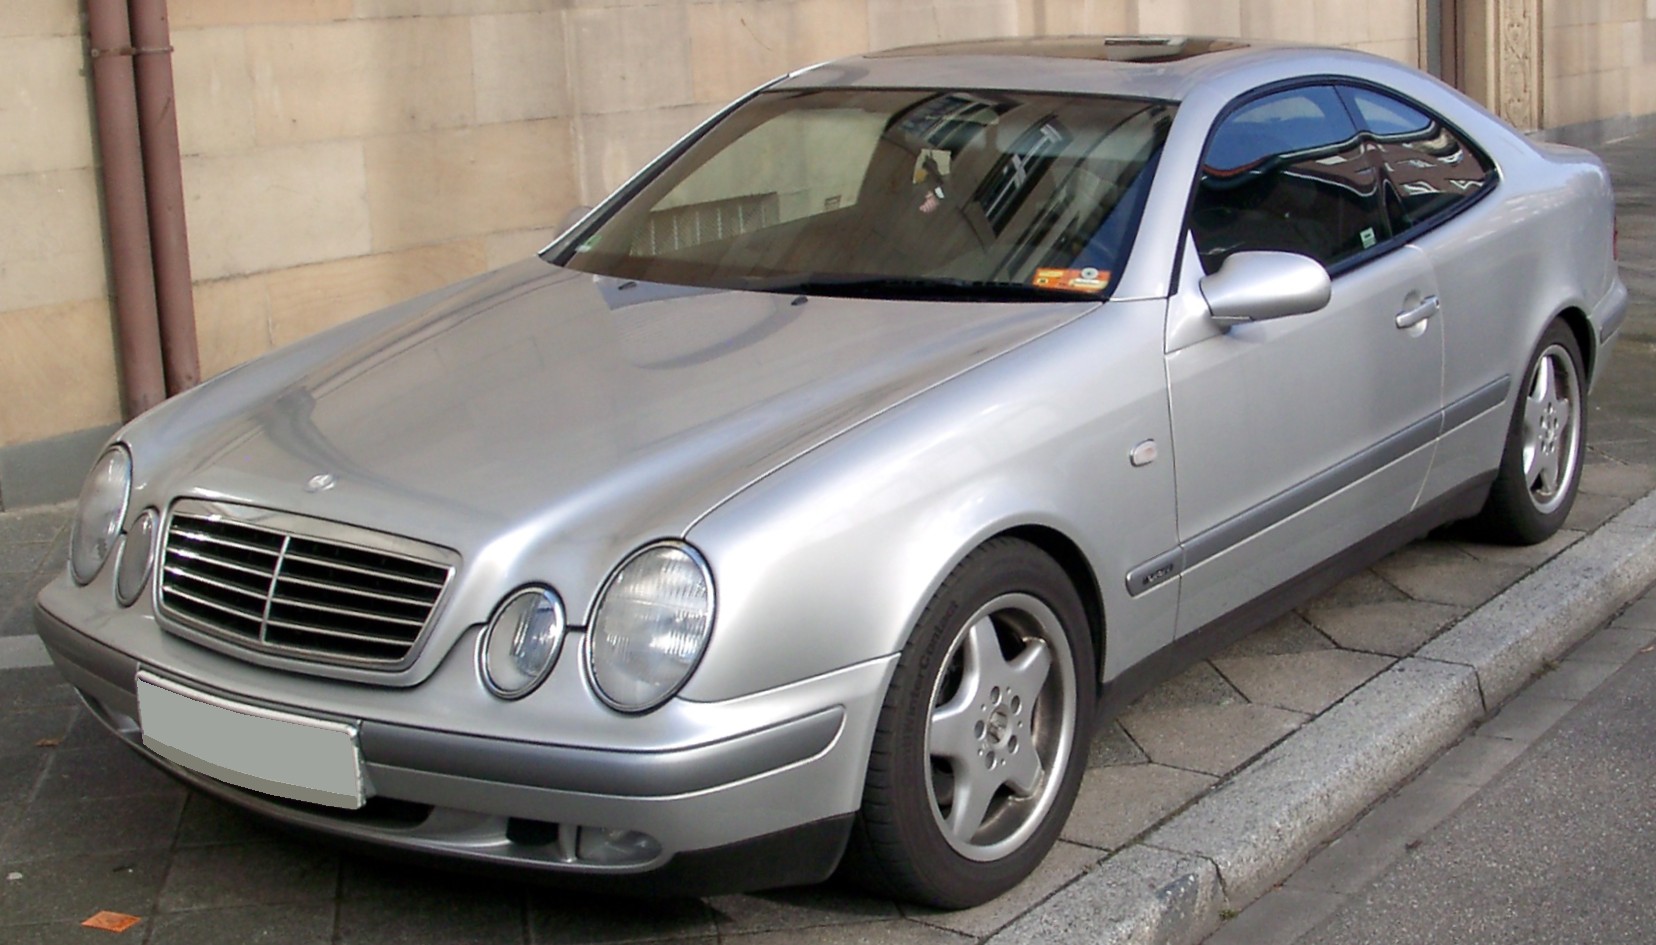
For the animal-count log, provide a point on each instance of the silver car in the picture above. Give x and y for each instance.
(804, 505)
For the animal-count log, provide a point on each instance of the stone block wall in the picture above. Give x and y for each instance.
(1598, 60)
(343, 154)
(57, 361)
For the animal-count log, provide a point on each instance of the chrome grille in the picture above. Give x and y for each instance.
(298, 587)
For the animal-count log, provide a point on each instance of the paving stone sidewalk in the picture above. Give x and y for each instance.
(85, 826)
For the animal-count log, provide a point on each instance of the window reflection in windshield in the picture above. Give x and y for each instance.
(894, 193)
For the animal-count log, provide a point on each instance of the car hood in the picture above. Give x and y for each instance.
(544, 421)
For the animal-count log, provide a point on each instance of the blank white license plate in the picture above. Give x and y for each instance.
(259, 749)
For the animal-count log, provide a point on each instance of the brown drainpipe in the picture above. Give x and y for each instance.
(121, 162)
(164, 187)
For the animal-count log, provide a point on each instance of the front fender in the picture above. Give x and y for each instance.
(829, 560)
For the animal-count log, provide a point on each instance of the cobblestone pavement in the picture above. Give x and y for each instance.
(86, 826)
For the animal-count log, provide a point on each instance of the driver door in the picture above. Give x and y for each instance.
(1299, 436)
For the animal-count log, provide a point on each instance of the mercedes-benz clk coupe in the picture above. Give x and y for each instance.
(802, 506)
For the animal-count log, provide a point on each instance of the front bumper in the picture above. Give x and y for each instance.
(770, 806)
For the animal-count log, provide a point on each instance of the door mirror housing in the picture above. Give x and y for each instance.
(1255, 286)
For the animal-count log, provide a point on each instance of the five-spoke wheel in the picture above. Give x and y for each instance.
(1552, 428)
(981, 742)
(1003, 722)
(1541, 468)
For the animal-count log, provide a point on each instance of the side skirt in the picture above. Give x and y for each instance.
(1461, 502)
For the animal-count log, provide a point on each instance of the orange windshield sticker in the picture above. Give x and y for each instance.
(1079, 280)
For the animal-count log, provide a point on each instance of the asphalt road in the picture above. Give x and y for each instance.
(1559, 848)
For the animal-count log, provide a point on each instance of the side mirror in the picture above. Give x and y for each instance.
(1252, 287)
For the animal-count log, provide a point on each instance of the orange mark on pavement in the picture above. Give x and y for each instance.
(112, 921)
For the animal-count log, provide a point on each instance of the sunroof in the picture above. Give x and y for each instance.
(1146, 49)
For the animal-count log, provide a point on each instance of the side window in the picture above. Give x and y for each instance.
(1287, 172)
(1429, 168)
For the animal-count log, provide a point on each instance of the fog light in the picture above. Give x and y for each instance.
(611, 847)
(137, 554)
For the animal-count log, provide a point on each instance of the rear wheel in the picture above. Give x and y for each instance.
(982, 739)
(1541, 468)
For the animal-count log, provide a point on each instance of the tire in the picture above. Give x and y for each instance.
(983, 737)
(1540, 469)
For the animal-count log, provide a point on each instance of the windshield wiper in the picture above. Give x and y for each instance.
(919, 288)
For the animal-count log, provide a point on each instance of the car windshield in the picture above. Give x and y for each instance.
(893, 194)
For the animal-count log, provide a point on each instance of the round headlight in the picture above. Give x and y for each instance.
(137, 554)
(103, 502)
(650, 627)
(521, 642)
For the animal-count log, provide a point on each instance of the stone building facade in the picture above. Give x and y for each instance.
(343, 154)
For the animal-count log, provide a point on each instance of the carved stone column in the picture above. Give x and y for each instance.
(1500, 57)
(1518, 57)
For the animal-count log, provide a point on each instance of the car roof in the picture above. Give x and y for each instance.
(1158, 67)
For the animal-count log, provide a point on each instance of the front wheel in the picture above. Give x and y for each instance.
(1540, 469)
(981, 742)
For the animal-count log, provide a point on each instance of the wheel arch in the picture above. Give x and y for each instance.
(1063, 550)
(1582, 328)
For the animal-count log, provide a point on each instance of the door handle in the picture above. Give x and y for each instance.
(1414, 316)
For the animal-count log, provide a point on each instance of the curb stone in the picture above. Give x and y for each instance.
(1538, 618)
(1142, 894)
(1253, 830)
(1260, 825)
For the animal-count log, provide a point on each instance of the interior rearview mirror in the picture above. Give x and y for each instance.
(1256, 286)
